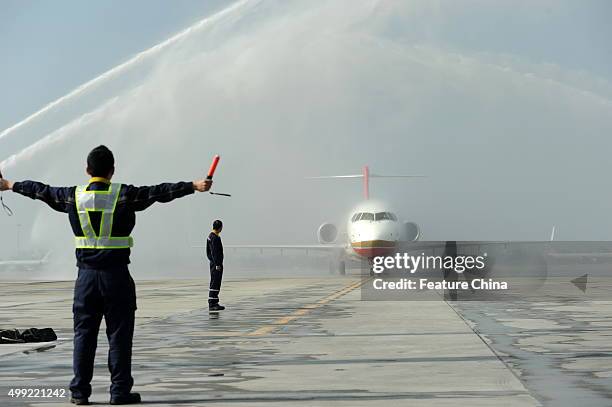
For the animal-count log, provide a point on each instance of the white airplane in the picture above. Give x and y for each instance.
(10, 265)
(372, 229)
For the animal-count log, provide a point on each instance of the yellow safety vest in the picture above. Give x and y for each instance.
(104, 202)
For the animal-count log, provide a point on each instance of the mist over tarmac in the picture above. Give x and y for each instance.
(287, 89)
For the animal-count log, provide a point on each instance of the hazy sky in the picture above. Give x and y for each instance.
(50, 47)
(507, 106)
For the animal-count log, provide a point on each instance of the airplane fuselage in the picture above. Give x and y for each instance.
(373, 230)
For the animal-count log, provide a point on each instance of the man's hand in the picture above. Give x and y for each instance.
(5, 184)
(202, 185)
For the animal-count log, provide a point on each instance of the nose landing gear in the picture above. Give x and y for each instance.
(337, 266)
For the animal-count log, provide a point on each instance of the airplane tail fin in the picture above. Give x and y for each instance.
(365, 176)
(552, 233)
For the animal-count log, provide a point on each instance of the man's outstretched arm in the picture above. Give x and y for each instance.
(58, 198)
(140, 198)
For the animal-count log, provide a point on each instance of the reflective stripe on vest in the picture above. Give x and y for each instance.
(103, 202)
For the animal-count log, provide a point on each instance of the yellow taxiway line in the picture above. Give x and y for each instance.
(305, 310)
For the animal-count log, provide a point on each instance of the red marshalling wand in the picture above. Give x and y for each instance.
(213, 167)
(211, 172)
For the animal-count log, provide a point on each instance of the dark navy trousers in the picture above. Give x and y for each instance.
(215, 284)
(108, 293)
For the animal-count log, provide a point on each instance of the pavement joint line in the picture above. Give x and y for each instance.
(499, 357)
(305, 310)
(261, 397)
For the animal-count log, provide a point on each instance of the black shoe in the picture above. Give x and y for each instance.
(216, 307)
(132, 398)
(79, 402)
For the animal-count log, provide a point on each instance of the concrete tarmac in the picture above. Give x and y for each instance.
(281, 342)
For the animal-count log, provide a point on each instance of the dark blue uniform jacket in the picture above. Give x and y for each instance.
(214, 249)
(131, 200)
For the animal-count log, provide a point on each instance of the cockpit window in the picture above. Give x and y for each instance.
(373, 216)
(367, 216)
(385, 216)
(381, 216)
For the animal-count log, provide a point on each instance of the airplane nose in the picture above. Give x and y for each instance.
(385, 235)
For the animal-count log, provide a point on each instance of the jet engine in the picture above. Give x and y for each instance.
(327, 233)
(412, 231)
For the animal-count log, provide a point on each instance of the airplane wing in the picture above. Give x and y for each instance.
(566, 250)
(25, 263)
(20, 263)
(319, 247)
(288, 246)
(549, 248)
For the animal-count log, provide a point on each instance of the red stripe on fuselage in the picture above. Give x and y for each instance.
(373, 249)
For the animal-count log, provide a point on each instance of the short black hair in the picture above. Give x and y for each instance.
(100, 161)
(217, 224)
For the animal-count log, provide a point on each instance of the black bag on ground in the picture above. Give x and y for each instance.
(8, 336)
(38, 335)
